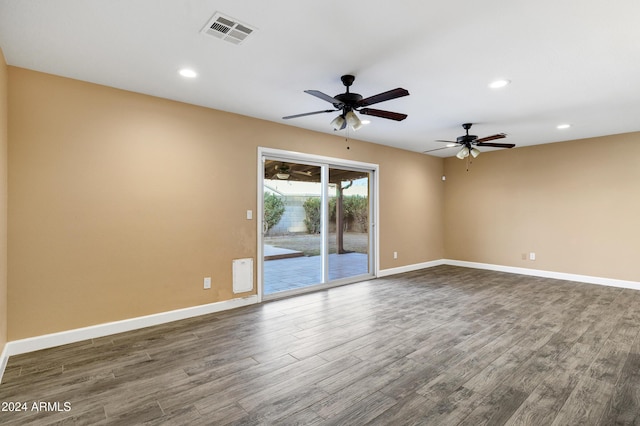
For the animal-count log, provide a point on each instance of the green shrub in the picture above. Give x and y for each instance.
(312, 215)
(273, 210)
(356, 212)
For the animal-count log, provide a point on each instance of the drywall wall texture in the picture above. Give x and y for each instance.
(3, 200)
(574, 204)
(120, 203)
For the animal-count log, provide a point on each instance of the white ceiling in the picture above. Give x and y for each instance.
(570, 61)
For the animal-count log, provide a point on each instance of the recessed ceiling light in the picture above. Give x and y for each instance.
(451, 145)
(563, 126)
(499, 83)
(189, 73)
(365, 121)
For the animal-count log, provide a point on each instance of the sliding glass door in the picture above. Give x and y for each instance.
(316, 224)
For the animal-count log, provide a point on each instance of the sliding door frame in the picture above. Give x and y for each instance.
(325, 163)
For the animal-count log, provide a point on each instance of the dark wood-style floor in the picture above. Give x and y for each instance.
(442, 346)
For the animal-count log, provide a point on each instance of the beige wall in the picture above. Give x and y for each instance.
(3, 201)
(575, 204)
(120, 203)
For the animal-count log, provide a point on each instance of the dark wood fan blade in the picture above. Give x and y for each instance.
(496, 145)
(324, 97)
(308, 113)
(492, 137)
(385, 96)
(383, 114)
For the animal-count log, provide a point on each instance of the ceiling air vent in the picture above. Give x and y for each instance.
(227, 28)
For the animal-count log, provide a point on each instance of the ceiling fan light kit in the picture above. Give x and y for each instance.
(353, 120)
(282, 171)
(463, 153)
(338, 123)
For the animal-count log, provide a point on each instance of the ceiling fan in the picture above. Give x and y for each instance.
(283, 171)
(349, 103)
(470, 142)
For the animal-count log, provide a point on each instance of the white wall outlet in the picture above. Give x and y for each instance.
(395, 254)
(207, 283)
(249, 214)
(532, 256)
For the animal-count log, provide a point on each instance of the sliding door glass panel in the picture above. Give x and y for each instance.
(349, 212)
(292, 238)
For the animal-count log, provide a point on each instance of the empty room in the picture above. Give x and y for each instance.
(330, 213)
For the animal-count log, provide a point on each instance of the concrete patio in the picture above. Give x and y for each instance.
(302, 271)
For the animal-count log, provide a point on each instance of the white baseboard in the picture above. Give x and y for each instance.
(610, 282)
(410, 268)
(31, 344)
